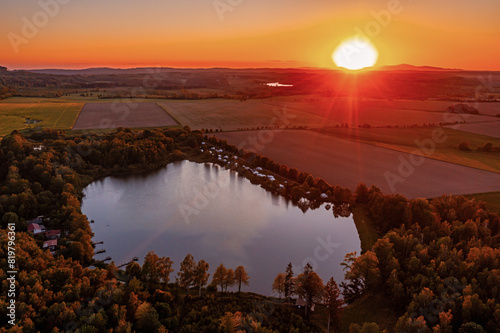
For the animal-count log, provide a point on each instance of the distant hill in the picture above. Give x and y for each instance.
(96, 71)
(148, 70)
(406, 67)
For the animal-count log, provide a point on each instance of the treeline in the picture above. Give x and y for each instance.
(6, 92)
(440, 267)
(488, 147)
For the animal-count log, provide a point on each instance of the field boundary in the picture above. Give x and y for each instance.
(170, 115)
(78, 116)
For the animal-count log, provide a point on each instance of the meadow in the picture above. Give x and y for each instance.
(23, 113)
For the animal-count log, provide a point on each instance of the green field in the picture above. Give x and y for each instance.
(14, 114)
(406, 140)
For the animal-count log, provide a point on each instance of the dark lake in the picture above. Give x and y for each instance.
(218, 216)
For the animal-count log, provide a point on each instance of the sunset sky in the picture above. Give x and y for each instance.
(251, 33)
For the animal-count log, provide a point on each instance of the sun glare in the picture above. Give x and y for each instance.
(355, 53)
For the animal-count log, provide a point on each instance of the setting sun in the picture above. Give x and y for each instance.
(355, 53)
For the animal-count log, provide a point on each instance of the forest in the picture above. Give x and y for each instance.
(437, 263)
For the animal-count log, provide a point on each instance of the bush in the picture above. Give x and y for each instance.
(464, 146)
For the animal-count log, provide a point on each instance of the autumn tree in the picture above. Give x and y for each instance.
(230, 322)
(201, 275)
(229, 279)
(241, 277)
(279, 284)
(289, 286)
(333, 303)
(219, 276)
(156, 269)
(133, 269)
(309, 286)
(186, 272)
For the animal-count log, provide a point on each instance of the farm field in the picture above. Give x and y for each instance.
(485, 108)
(490, 108)
(233, 114)
(408, 139)
(489, 128)
(491, 199)
(376, 112)
(48, 114)
(113, 115)
(347, 163)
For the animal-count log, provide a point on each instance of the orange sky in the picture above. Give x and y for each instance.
(249, 33)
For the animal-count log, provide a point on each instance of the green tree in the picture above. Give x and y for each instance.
(147, 319)
(471, 327)
(333, 303)
(366, 328)
(9, 218)
(309, 286)
(289, 287)
(353, 286)
(361, 193)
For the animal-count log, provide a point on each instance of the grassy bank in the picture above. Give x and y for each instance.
(369, 308)
(367, 232)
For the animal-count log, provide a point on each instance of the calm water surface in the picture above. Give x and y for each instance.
(218, 216)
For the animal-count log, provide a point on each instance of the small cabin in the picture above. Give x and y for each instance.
(301, 303)
(53, 234)
(50, 244)
(35, 228)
